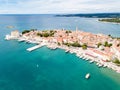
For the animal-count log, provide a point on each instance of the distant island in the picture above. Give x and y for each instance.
(93, 15)
(113, 20)
(99, 48)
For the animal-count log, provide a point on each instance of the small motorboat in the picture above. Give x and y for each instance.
(87, 76)
(91, 61)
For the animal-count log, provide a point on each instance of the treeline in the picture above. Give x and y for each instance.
(68, 31)
(106, 44)
(76, 44)
(115, 20)
(46, 33)
(27, 31)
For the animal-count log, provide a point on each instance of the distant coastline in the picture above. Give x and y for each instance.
(111, 20)
(92, 15)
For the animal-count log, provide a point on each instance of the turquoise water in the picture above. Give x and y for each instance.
(57, 70)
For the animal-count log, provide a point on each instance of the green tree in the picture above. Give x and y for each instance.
(109, 45)
(45, 34)
(51, 31)
(116, 61)
(76, 44)
(40, 34)
(25, 31)
(106, 44)
(68, 31)
(99, 44)
(109, 35)
(84, 46)
(58, 43)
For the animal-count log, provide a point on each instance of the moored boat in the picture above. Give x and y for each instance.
(67, 51)
(91, 61)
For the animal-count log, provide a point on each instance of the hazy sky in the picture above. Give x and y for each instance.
(58, 6)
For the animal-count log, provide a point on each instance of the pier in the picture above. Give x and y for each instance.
(35, 47)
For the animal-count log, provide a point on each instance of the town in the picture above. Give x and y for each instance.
(99, 48)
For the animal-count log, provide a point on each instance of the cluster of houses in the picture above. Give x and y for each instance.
(76, 36)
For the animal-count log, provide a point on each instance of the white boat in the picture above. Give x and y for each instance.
(67, 51)
(87, 76)
(21, 40)
(87, 59)
(91, 61)
(77, 55)
(71, 52)
(80, 56)
(83, 57)
(100, 65)
(97, 64)
(104, 66)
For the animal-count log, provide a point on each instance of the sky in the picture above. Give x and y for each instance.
(58, 6)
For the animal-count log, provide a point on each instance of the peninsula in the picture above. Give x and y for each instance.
(99, 48)
(113, 20)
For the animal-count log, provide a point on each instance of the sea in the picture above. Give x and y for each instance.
(45, 69)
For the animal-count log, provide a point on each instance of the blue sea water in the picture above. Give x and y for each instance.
(45, 69)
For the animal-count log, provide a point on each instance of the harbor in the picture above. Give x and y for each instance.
(45, 68)
(89, 54)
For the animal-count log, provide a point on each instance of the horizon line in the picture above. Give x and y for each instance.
(58, 13)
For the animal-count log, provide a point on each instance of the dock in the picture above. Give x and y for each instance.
(35, 47)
